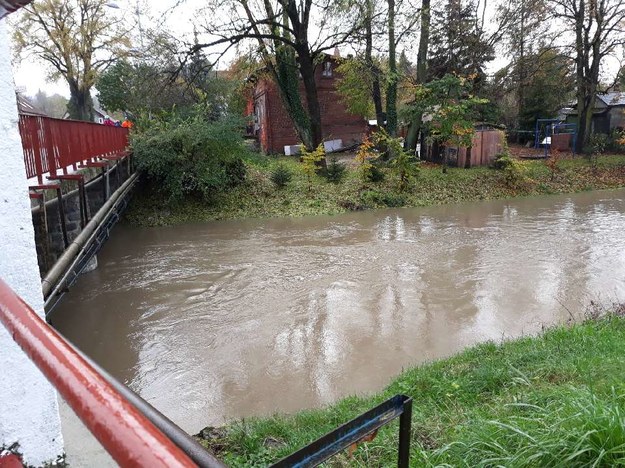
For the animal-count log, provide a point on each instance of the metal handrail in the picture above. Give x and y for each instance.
(130, 438)
(350, 433)
(137, 434)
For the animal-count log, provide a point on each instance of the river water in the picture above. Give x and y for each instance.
(221, 320)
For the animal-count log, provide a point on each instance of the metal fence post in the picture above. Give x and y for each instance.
(405, 420)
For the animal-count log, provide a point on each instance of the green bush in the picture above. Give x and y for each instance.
(514, 172)
(190, 157)
(375, 174)
(502, 160)
(335, 172)
(598, 143)
(281, 176)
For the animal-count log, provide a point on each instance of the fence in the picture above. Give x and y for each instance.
(53, 145)
(486, 144)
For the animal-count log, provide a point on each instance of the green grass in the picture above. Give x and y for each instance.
(554, 400)
(260, 198)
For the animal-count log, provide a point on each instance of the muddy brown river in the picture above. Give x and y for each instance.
(222, 320)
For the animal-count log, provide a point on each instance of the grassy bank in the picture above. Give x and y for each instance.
(553, 400)
(259, 197)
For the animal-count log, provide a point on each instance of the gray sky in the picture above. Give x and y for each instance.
(30, 73)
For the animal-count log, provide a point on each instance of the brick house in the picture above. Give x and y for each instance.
(273, 126)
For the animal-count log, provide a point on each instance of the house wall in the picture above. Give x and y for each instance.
(617, 117)
(29, 404)
(276, 127)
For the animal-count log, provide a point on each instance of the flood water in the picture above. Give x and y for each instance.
(222, 320)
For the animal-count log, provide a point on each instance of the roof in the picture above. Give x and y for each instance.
(9, 6)
(26, 107)
(613, 99)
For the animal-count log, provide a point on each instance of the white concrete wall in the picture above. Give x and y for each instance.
(29, 411)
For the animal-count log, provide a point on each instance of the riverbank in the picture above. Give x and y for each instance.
(553, 400)
(258, 197)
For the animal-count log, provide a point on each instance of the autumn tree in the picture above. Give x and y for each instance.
(451, 110)
(77, 39)
(286, 46)
(598, 29)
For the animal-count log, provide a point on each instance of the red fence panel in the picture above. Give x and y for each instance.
(52, 145)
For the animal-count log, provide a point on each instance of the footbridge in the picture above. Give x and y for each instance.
(80, 177)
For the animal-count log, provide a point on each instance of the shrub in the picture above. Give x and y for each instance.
(365, 154)
(281, 176)
(190, 157)
(405, 168)
(598, 143)
(335, 172)
(502, 160)
(375, 174)
(371, 198)
(311, 160)
(513, 169)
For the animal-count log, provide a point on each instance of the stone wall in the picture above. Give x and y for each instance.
(47, 223)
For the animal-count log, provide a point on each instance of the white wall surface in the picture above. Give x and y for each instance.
(28, 404)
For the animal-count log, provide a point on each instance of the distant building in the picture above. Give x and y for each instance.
(273, 126)
(607, 115)
(26, 107)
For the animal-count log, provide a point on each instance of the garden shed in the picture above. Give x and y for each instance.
(487, 143)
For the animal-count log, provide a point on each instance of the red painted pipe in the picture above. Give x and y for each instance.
(124, 432)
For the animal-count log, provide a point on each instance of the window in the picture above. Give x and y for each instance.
(327, 69)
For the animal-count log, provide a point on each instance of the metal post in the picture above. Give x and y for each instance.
(59, 197)
(103, 169)
(405, 420)
(82, 204)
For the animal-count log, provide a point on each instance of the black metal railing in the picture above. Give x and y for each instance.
(356, 430)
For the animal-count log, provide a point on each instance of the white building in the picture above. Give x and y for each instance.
(29, 413)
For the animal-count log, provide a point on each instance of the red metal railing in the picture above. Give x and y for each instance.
(130, 438)
(53, 145)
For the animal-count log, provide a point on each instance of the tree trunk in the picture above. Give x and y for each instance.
(307, 70)
(376, 92)
(80, 105)
(424, 38)
(391, 90)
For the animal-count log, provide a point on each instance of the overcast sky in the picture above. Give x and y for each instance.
(177, 16)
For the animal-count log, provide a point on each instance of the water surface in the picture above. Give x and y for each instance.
(221, 320)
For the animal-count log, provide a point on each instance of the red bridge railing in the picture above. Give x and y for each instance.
(55, 145)
(130, 438)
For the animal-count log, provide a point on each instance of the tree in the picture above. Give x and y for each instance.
(549, 86)
(459, 44)
(424, 43)
(77, 39)
(54, 105)
(524, 25)
(451, 108)
(281, 30)
(598, 28)
(162, 81)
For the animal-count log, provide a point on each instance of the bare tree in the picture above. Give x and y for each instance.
(599, 30)
(77, 38)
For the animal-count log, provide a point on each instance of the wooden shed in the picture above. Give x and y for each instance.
(487, 143)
